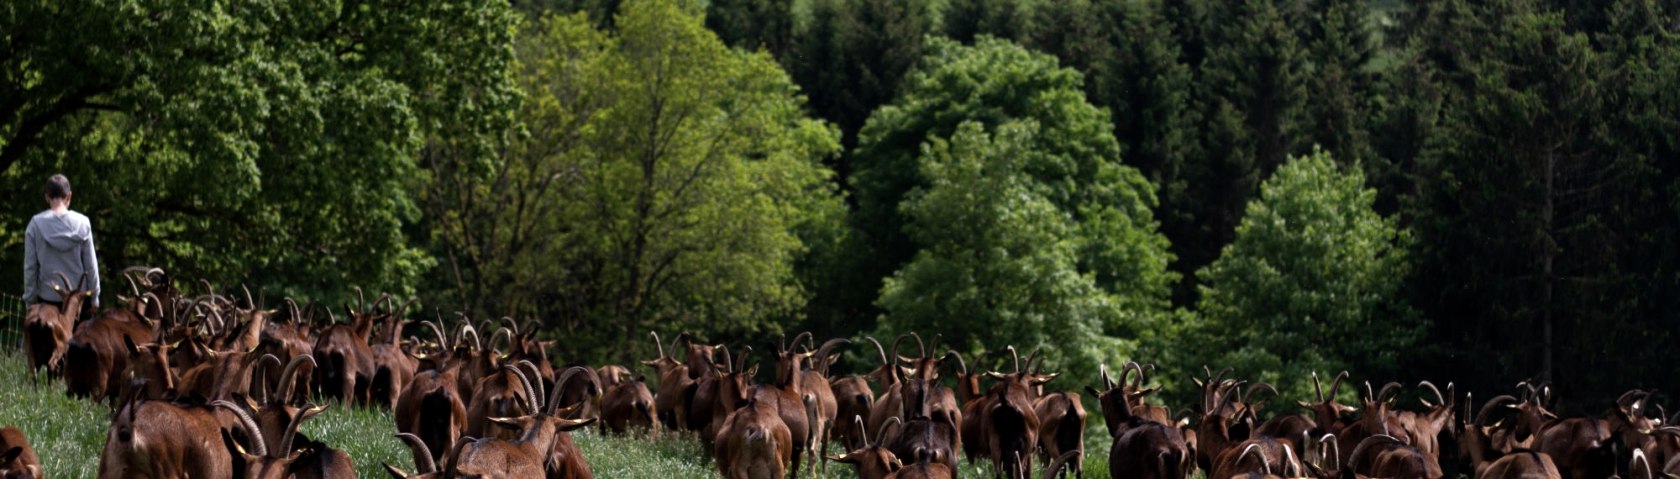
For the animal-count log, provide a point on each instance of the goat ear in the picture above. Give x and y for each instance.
(1304, 404)
(1043, 379)
(1093, 392)
(1346, 408)
(394, 472)
(11, 454)
(846, 459)
(128, 343)
(994, 375)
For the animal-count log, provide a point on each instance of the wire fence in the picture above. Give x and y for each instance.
(12, 310)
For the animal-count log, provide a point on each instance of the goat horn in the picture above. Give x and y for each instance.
(251, 427)
(535, 373)
(879, 349)
(1033, 357)
(252, 303)
(132, 288)
(511, 324)
(920, 348)
(401, 310)
(1623, 399)
(1317, 389)
(443, 339)
(287, 377)
(1336, 385)
(796, 339)
(361, 300)
(881, 435)
(559, 385)
(1263, 460)
(679, 339)
(741, 362)
(530, 393)
(262, 367)
(1015, 356)
(292, 427)
(960, 362)
(1126, 373)
(1102, 373)
(292, 307)
(728, 361)
(1336, 445)
(1260, 386)
(1290, 468)
(863, 432)
(827, 348)
(1481, 416)
(1439, 399)
(1368, 442)
(896, 343)
(466, 329)
(502, 332)
(423, 462)
(657, 344)
(1382, 395)
(65, 279)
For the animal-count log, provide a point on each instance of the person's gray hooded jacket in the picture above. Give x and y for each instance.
(55, 243)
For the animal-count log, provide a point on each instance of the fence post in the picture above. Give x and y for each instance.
(12, 310)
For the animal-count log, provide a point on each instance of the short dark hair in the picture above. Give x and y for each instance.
(58, 187)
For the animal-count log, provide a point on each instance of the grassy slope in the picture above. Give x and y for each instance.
(68, 435)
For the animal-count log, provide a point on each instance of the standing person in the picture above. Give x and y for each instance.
(57, 248)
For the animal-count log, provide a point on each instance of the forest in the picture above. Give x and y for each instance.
(1482, 192)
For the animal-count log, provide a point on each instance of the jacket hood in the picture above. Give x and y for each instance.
(63, 231)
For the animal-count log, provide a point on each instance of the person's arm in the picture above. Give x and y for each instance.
(90, 264)
(31, 271)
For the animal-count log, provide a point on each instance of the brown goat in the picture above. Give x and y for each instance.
(1010, 421)
(157, 439)
(676, 388)
(1426, 427)
(872, 459)
(95, 358)
(270, 457)
(1388, 457)
(346, 360)
(47, 332)
(754, 443)
(628, 404)
(1061, 426)
(507, 393)
(852, 399)
(529, 455)
(430, 408)
(17, 459)
(732, 390)
(1142, 448)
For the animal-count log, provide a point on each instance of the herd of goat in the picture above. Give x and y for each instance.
(208, 387)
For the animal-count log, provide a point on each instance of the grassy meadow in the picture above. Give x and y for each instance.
(68, 434)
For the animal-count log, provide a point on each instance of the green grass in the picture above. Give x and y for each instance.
(68, 434)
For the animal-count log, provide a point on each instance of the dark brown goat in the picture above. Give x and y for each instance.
(852, 399)
(1425, 427)
(628, 404)
(871, 459)
(46, 334)
(95, 357)
(346, 360)
(788, 397)
(1011, 423)
(431, 408)
(17, 459)
(271, 457)
(1487, 462)
(1142, 448)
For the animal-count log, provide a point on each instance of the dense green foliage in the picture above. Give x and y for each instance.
(1313, 276)
(268, 143)
(1080, 173)
(659, 182)
(1036, 232)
